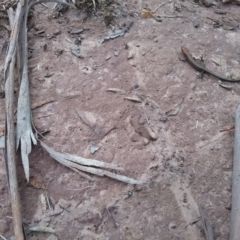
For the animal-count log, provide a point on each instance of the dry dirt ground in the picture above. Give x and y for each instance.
(190, 163)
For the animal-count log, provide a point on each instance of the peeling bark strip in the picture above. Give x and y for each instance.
(79, 164)
(25, 134)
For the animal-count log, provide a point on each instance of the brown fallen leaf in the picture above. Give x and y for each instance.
(147, 13)
(36, 183)
(174, 111)
(143, 130)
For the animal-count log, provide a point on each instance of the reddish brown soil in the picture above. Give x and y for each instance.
(190, 163)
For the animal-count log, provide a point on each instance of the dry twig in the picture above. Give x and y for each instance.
(10, 149)
(235, 212)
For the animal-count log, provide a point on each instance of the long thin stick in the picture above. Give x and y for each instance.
(10, 149)
(235, 212)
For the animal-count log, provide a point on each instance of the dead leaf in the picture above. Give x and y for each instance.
(64, 203)
(116, 90)
(89, 121)
(41, 229)
(36, 183)
(143, 130)
(134, 99)
(216, 60)
(147, 13)
(174, 111)
(43, 203)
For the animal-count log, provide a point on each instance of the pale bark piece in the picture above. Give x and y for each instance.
(41, 229)
(25, 135)
(235, 209)
(116, 90)
(134, 99)
(68, 160)
(2, 141)
(82, 161)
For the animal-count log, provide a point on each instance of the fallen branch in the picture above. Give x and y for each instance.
(10, 149)
(235, 212)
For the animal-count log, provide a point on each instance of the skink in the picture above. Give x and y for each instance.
(201, 68)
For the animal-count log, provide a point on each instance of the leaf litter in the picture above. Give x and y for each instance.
(26, 136)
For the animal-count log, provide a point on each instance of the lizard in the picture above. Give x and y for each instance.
(201, 68)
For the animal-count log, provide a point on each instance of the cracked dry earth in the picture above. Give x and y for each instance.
(190, 163)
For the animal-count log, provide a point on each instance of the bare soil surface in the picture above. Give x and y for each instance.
(189, 163)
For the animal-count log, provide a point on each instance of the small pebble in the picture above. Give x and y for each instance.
(163, 118)
(107, 57)
(196, 23)
(116, 53)
(172, 225)
(130, 55)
